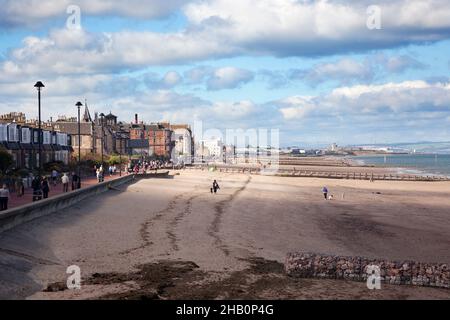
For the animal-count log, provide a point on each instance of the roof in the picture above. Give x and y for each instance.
(72, 128)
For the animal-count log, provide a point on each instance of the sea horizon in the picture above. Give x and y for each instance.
(425, 164)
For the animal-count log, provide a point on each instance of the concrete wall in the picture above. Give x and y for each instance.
(14, 217)
(311, 265)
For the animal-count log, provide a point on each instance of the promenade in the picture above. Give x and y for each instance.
(16, 201)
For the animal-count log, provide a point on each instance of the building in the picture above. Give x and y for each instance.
(160, 140)
(182, 152)
(22, 142)
(101, 135)
(13, 117)
(87, 132)
(214, 148)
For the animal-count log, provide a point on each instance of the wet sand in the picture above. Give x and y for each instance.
(173, 239)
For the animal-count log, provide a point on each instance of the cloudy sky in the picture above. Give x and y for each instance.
(312, 69)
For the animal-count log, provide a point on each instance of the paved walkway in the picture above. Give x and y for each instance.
(16, 201)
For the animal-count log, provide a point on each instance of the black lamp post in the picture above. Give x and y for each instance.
(79, 105)
(120, 156)
(102, 117)
(39, 85)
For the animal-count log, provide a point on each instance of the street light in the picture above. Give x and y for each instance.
(102, 116)
(39, 85)
(120, 154)
(79, 104)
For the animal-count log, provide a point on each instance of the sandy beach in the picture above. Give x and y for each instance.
(173, 239)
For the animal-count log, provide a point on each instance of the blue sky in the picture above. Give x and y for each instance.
(312, 69)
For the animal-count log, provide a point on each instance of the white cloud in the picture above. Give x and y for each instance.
(408, 98)
(228, 78)
(321, 27)
(217, 29)
(19, 13)
(349, 70)
(172, 78)
(237, 110)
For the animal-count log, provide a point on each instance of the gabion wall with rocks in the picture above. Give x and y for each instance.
(311, 265)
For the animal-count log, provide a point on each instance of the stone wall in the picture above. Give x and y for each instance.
(311, 265)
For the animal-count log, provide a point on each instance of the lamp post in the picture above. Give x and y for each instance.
(39, 85)
(203, 147)
(102, 117)
(79, 104)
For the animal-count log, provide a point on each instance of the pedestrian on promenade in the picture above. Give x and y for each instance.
(102, 173)
(45, 188)
(37, 188)
(54, 177)
(75, 181)
(20, 189)
(4, 197)
(65, 182)
(215, 187)
(325, 192)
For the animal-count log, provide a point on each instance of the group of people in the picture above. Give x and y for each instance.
(100, 174)
(41, 186)
(143, 167)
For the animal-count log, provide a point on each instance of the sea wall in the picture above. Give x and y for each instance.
(14, 217)
(311, 265)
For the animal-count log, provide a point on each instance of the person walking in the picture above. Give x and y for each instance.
(37, 189)
(75, 181)
(54, 177)
(325, 192)
(20, 189)
(4, 197)
(215, 187)
(65, 182)
(102, 173)
(45, 188)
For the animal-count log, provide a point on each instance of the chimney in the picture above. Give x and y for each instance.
(136, 119)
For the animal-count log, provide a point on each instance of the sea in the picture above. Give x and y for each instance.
(417, 164)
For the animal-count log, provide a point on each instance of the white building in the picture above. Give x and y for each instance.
(214, 147)
(182, 151)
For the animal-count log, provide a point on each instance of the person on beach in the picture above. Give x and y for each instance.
(45, 188)
(65, 182)
(325, 192)
(4, 197)
(215, 187)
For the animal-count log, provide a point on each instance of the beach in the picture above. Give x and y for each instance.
(230, 245)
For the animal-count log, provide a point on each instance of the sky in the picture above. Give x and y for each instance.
(320, 72)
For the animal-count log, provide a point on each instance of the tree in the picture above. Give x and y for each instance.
(6, 160)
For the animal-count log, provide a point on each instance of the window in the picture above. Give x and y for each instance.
(47, 137)
(26, 135)
(61, 139)
(3, 132)
(13, 133)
